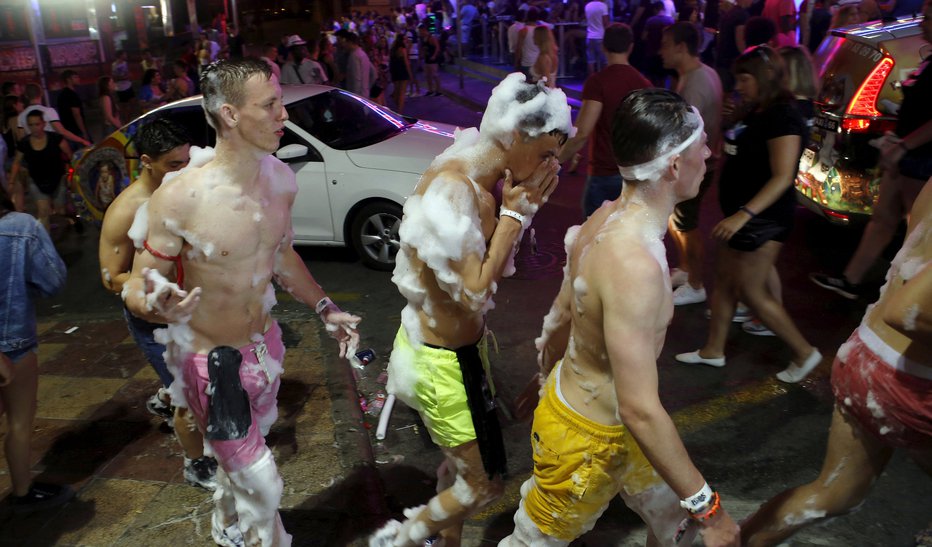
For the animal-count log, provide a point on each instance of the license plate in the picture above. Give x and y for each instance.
(827, 124)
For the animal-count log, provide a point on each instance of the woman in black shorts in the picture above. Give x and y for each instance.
(762, 152)
(43, 154)
(400, 69)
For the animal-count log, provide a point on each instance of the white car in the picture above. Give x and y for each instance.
(355, 163)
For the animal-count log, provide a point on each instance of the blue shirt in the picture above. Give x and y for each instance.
(29, 265)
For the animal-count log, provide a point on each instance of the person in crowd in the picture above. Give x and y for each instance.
(124, 86)
(150, 92)
(378, 54)
(701, 87)
(224, 246)
(650, 42)
(400, 69)
(207, 49)
(430, 55)
(15, 189)
(107, 100)
(438, 364)
(895, 9)
(70, 106)
(29, 265)
(325, 56)
(269, 54)
(33, 95)
(760, 30)
(847, 14)
(602, 94)
(756, 194)
(181, 85)
(148, 61)
(414, 57)
(820, 21)
(596, 21)
(731, 39)
(236, 44)
(319, 74)
(784, 16)
(526, 50)
(360, 74)
(545, 67)
(300, 68)
(881, 380)
(906, 162)
(12, 88)
(512, 36)
(599, 428)
(163, 147)
(43, 153)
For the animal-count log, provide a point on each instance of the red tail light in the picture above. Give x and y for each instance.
(864, 102)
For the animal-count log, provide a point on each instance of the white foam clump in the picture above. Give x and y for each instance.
(910, 317)
(803, 517)
(199, 157)
(197, 245)
(504, 113)
(462, 492)
(268, 299)
(140, 227)
(437, 512)
(873, 406)
(580, 290)
(844, 351)
(106, 273)
(527, 534)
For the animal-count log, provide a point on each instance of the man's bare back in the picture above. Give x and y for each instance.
(611, 236)
(231, 226)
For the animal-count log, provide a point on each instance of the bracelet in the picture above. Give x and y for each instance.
(513, 214)
(750, 213)
(709, 513)
(323, 304)
(698, 502)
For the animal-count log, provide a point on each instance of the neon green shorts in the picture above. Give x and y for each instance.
(429, 380)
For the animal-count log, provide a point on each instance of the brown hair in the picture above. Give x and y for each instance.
(764, 65)
(800, 74)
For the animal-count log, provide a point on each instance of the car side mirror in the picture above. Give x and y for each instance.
(291, 152)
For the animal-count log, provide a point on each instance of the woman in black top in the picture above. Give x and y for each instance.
(400, 69)
(44, 153)
(762, 153)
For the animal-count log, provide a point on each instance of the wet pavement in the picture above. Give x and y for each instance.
(751, 436)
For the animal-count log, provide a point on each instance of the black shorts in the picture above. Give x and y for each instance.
(914, 166)
(686, 213)
(125, 96)
(758, 231)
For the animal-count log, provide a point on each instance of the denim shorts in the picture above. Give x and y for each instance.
(58, 198)
(143, 333)
(18, 354)
(594, 52)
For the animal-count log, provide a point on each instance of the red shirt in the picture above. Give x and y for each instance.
(609, 86)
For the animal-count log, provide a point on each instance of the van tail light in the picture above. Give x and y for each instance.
(864, 102)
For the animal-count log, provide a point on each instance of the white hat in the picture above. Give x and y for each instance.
(294, 40)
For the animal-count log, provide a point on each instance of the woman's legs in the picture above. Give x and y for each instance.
(399, 94)
(723, 304)
(43, 210)
(754, 270)
(19, 401)
(853, 461)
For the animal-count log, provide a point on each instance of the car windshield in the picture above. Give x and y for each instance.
(344, 121)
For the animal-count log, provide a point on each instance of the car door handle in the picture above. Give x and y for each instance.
(333, 182)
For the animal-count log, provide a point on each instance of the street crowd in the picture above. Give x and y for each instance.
(736, 112)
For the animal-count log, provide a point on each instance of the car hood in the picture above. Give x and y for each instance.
(410, 151)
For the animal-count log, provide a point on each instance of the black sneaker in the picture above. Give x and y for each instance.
(201, 472)
(839, 285)
(41, 496)
(155, 405)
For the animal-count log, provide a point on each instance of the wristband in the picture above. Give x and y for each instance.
(698, 501)
(323, 304)
(750, 213)
(513, 214)
(711, 510)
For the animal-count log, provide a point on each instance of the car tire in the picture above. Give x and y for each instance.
(374, 234)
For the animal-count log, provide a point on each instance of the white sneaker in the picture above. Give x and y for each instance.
(797, 373)
(678, 277)
(693, 358)
(685, 294)
(757, 328)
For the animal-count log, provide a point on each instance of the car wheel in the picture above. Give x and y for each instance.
(374, 234)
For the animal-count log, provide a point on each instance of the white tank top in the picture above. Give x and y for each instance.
(529, 50)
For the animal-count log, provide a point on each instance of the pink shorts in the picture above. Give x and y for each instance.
(260, 379)
(889, 396)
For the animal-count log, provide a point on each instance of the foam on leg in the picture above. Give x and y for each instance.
(257, 491)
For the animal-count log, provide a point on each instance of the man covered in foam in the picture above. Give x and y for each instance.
(600, 429)
(223, 230)
(881, 379)
(455, 247)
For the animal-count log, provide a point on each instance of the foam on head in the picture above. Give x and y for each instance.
(532, 109)
(224, 82)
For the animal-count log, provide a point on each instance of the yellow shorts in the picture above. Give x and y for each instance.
(437, 393)
(579, 466)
